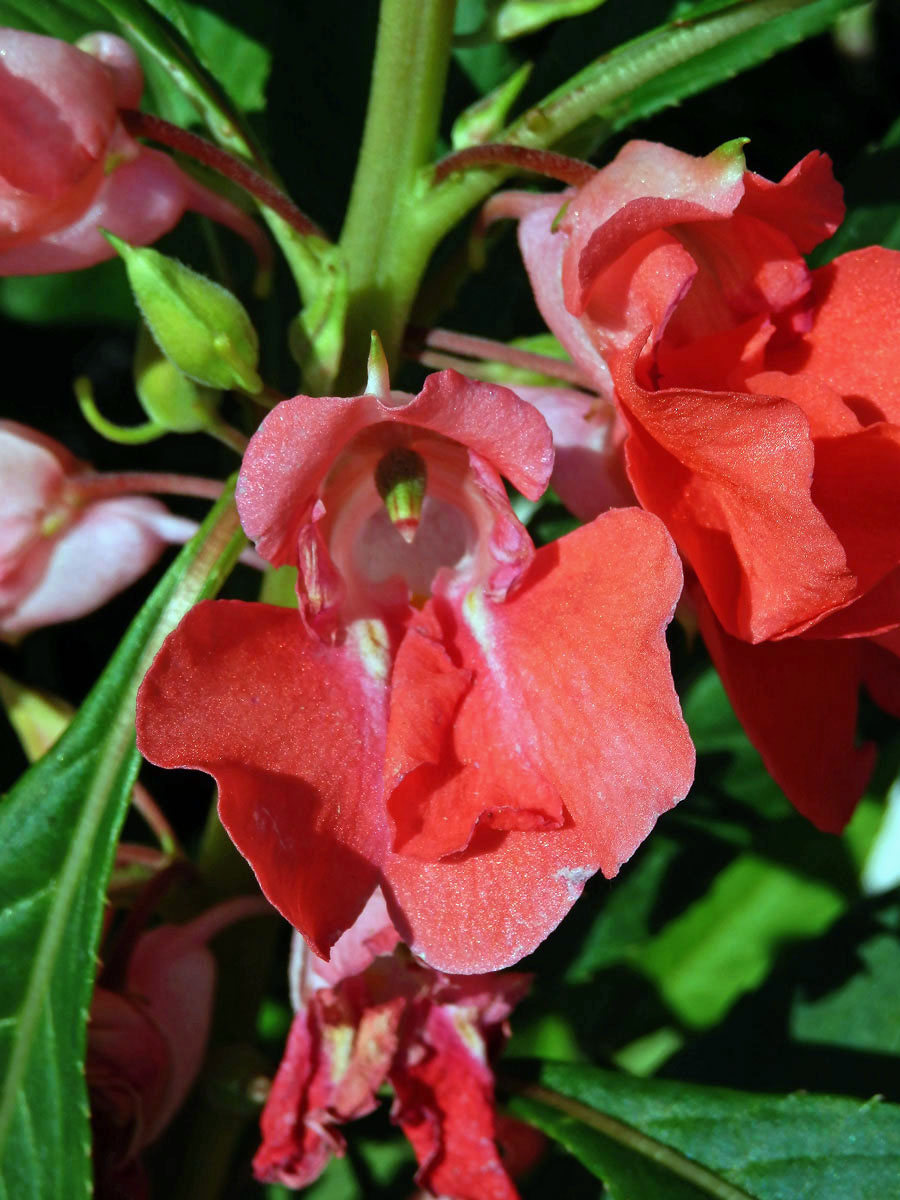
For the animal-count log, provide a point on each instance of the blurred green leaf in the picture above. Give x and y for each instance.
(724, 943)
(58, 831)
(861, 1011)
(873, 196)
(97, 294)
(683, 1142)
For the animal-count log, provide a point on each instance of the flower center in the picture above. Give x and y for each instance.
(400, 479)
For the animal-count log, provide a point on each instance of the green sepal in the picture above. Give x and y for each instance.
(199, 325)
(482, 121)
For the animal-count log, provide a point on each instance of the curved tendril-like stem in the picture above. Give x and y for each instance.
(96, 485)
(140, 124)
(522, 158)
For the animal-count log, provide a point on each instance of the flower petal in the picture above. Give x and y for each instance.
(797, 701)
(293, 732)
(731, 473)
(572, 675)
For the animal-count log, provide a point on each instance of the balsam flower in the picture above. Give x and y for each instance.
(70, 539)
(760, 404)
(372, 1015)
(67, 165)
(472, 725)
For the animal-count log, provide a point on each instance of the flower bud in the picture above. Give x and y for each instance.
(168, 397)
(199, 325)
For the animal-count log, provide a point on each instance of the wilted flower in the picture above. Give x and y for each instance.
(371, 1015)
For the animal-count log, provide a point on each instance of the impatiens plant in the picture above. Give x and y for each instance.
(573, 634)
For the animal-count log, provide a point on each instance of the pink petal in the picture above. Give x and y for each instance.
(57, 114)
(293, 732)
(807, 204)
(300, 440)
(572, 675)
(110, 545)
(589, 465)
(854, 343)
(646, 188)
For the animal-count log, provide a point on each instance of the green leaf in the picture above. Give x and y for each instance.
(649, 1139)
(58, 830)
(739, 36)
(514, 18)
(169, 48)
(96, 294)
(724, 943)
(236, 61)
(860, 1013)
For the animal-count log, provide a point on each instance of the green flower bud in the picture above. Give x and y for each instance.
(167, 395)
(200, 326)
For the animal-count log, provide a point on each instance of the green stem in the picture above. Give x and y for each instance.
(633, 1139)
(383, 245)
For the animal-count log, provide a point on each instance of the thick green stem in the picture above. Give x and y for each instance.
(385, 251)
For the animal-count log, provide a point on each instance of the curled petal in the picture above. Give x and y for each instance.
(766, 557)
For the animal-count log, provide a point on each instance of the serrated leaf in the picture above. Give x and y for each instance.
(58, 831)
(739, 36)
(654, 1138)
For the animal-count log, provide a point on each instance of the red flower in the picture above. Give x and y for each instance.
(472, 725)
(762, 415)
(374, 1014)
(67, 166)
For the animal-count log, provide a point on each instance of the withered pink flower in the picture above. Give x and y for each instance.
(373, 1014)
(67, 165)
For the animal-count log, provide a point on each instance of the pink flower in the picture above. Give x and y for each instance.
(762, 421)
(147, 1039)
(67, 545)
(67, 166)
(374, 1014)
(472, 725)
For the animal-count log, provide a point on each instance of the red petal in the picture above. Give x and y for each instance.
(571, 679)
(445, 1105)
(293, 732)
(807, 204)
(730, 474)
(797, 701)
(857, 487)
(854, 342)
